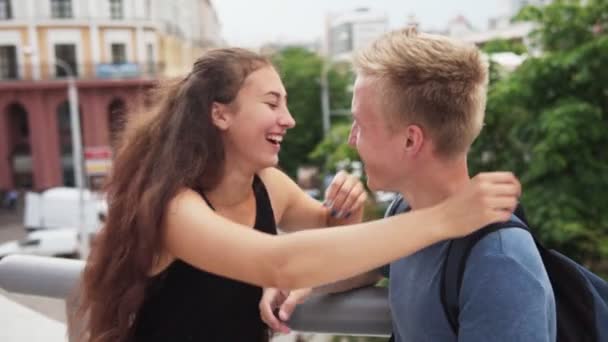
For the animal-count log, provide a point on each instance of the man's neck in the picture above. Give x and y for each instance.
(435, 183)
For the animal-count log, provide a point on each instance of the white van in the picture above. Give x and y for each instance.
(52, 218)
(59, 208)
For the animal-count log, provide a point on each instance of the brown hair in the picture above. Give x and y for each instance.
(432, 81)
(176, 145)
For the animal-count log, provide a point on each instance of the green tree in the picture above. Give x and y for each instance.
(504, 45)
(548, 120)
(334, 149)
(301, 71)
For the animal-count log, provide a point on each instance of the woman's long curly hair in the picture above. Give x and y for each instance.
(172, 147)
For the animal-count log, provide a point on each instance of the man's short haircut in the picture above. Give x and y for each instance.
(432, 81)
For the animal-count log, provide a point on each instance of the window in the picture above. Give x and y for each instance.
(119, 53)
(148, 9)
(8, 62)
(29, 242)
(341, 39)
(5, 10)
(150, 53)
(116, 9)
(67, 54)
(61, 9)
(150, 58)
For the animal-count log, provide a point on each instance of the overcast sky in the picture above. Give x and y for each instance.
(254, 22)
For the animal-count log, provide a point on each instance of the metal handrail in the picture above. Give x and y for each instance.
(363, 311)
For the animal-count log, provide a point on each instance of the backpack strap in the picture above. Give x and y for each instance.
(521, 214)
(397, 206)
(454, 266)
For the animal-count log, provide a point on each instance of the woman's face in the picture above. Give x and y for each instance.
(256, 122)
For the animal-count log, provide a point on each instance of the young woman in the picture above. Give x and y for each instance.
(194, 202)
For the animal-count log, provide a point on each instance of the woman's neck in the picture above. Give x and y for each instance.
(233, 189)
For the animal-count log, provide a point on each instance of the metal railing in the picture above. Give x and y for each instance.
(83, 71)
(363, 311)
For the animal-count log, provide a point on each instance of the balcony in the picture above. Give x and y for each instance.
(168, 26)
(87, 71)
(81, 20)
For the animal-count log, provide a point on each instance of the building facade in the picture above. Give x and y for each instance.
(349, 31)
(499, 27)
(116, 49)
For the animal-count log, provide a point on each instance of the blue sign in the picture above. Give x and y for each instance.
(111, 70)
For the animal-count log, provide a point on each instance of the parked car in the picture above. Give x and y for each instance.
(56, 242)
(52, 220)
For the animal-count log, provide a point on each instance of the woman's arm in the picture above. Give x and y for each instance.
(195, 234)
(296, 210)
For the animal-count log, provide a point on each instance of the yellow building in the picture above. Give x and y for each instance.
(116, 49)
(103, 38)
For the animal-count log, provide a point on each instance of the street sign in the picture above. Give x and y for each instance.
(98, 160)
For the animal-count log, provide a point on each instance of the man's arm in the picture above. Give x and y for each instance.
(276, 306)
(361, 280)
(506, 295)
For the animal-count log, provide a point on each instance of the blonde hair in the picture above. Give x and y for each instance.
(432, 81)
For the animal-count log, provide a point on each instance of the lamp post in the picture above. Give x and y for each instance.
(76, 154)
(325, 108)
(76, 148)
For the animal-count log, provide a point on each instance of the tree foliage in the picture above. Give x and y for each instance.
(504, 45)
(548, 121)
(301, 71)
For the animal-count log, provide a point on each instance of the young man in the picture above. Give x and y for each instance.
(418, 105)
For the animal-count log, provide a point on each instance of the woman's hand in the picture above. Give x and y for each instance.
(488, 198)
(276, 306)
(344, 199)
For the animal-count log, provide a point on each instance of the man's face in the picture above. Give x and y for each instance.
(379, 147)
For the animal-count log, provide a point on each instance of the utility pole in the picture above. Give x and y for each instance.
(76, 155)
(325, 108)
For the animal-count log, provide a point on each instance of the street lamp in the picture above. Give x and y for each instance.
(76, 148)
(326, 110)
(76, 153)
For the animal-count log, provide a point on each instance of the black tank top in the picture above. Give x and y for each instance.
(184, 303)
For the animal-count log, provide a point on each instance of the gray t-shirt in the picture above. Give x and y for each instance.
(505, 296)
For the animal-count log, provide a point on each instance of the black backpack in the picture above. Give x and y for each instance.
(581, 297)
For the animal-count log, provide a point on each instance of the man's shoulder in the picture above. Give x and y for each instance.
(507, 242)
(513, 248)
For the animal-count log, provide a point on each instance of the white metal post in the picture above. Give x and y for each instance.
(76, 155)
(325, 107)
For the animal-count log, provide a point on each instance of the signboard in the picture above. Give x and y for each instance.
(122, 70)
(97, 160)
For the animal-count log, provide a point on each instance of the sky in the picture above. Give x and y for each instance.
(251, 23)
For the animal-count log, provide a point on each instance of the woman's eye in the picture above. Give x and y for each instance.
(272, 105)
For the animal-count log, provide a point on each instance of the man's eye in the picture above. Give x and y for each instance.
(272, 105)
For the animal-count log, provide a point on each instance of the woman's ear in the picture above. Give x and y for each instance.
(220, 116)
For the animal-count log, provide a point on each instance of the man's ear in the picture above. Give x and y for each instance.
(220, 116)
(414, 139)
